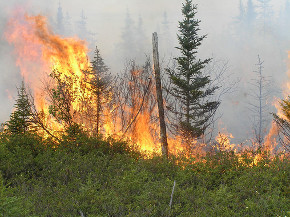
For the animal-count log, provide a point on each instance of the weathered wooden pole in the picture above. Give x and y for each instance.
(163, 136)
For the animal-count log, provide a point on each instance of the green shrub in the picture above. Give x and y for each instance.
(10, 205)
(110, 178)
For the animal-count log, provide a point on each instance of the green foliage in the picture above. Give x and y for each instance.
(17, 156)
(9, 205)
(100, 84)
(190, 86)
(78, 101)
(62, 97)
(109, 178)
(20, 120)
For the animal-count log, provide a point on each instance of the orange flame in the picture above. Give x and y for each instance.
(223, 142)
(271, 139)
(39, 52)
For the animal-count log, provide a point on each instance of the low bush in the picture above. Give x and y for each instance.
(98, 177)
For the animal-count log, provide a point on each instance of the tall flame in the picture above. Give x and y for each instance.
(40, 52)
(271, 139)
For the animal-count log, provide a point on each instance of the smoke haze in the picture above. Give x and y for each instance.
(104, 23)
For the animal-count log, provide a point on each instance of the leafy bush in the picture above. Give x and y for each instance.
(10, 205)
(110, 178)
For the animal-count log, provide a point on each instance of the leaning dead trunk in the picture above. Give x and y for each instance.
(163, 137)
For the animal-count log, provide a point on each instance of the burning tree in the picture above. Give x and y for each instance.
(78, 99)
(135, 114)
(100, 84)
(62, 98)
(259, 107)
(284, 122)
(190, 86)
(67, 103)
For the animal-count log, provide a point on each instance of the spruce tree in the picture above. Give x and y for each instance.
(265, 14)
(82, 30)
(190, 85)
(242, 14)
(100, 85)
(128, 44)
(251, 16)
(240, 22)
(284, 25)
(284, 122)
(60, 20)
(165, 36)
(141, 40)
(20, 119)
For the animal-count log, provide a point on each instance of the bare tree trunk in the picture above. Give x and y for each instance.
(260, 101)
(260, 85)
(98, 110)
(163, 136)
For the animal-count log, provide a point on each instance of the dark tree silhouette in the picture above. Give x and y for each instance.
(190, 85)
(21, 119)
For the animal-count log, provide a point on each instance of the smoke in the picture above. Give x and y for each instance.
(104, 24)
(8, 71)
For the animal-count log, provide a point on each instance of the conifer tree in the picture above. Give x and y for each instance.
(141, 40)
(284, 22)
(82, 25)
(60, 20)
(240, 22)
(284, 122)
(165, 23)
(165, 36)
(251, 15)
(68, 25)
(265, 14)
(190, 85)
(128, 44)
(241, 11)
(20, 119)
(100, 84)
(242, 14)
(259, 107)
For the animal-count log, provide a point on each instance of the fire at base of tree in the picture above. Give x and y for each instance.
(76, 96)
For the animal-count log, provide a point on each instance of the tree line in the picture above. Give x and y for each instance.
(191, 107)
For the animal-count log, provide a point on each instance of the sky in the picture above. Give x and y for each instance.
(106, 19)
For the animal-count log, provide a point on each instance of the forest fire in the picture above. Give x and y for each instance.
(99, 120)
(60, 75)
(39, 52)
(224, 143)
(271, 143)
(48, 61)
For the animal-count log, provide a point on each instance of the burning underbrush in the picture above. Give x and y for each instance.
(71, 95)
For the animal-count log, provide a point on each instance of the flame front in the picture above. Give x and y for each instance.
(41, 54)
